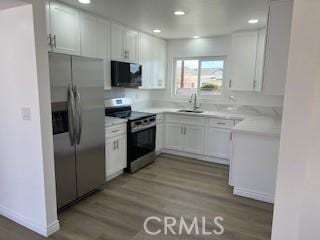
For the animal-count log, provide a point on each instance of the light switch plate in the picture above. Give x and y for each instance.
(26, 113)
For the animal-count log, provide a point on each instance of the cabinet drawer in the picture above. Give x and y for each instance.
(116, 130)
(184, 119)
(221, 123)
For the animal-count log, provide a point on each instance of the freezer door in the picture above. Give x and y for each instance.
(90, 150)
(62, 120)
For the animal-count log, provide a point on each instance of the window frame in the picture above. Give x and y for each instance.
(200, 59)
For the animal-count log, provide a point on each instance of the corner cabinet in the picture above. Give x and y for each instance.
(64, 29)
(277, 47)
(124, 44)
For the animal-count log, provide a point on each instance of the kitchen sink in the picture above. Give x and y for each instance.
(190, 111)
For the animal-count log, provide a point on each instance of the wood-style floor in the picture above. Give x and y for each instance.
(172, 186)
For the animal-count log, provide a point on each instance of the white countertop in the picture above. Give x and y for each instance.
(110, 121)
(262, 125)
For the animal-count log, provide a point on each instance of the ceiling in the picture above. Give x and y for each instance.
(203, 17)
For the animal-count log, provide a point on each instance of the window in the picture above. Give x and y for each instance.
(199, 75)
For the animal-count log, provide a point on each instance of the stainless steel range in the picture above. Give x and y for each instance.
(141, 132)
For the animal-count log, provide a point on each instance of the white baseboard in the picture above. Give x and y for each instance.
(30, 224)
(112, 176)
(198, 156)
(254, 195)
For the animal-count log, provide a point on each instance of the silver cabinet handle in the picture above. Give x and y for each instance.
(185, 131)
(50, 40)
(114, 144)
(117, 144)
(54, 42)
(71, 115)
(117, 130)
(79, 115)
(221, 123)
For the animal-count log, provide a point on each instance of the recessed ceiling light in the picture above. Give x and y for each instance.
(179, 13)
(156, 30)
(253, 21)
(195, 37)
(84, 1)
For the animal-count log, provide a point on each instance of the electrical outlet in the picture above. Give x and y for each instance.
(26, 114)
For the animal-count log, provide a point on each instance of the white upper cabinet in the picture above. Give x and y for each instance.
(103, 48)
(277, 48)
(145, 58)
(64, 33)
(162, 64)
(244, 52)
(131, 46)
(117, 42)
(153, 58)
(124, 44)
(260, 60)
(94, 35)
(88, 35)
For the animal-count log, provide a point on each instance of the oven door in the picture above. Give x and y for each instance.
(142, 143)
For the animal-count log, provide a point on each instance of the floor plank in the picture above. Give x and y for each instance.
(172, 186)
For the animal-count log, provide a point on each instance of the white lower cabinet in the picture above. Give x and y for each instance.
(218, 143)
(206, 138)
(183, 134)
(159, 137)
(116, 154)
(174, 137)
(194, 137)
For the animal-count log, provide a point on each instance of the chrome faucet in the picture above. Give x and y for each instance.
(194, 99)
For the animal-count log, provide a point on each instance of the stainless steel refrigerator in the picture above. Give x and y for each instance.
(77, 96)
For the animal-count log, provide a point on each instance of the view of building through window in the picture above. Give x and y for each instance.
(199, 75)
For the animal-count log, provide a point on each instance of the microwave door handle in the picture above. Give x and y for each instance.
(79, 115)
(71, 115)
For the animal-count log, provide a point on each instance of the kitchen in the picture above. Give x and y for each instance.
(175, 111)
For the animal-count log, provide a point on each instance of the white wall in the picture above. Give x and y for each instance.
(217, 46)
(297, 205)
(27, 183)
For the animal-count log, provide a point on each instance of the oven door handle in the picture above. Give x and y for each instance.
(143, 128)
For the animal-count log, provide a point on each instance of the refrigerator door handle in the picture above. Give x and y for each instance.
(79, 115)
(71, 115)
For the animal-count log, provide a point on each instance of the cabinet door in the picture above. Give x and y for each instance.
(131, 46)
(194, 139)
(159, 137)
(145, 58)
(116, 154)
(174, 138)
(65, 27)
(155, 63)
(244, 49)
(48, 25)
(162, 64)
(103, 49)
(88, 35)
(218, 143)
(117, 42)
(261, 47)
(277, 50)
